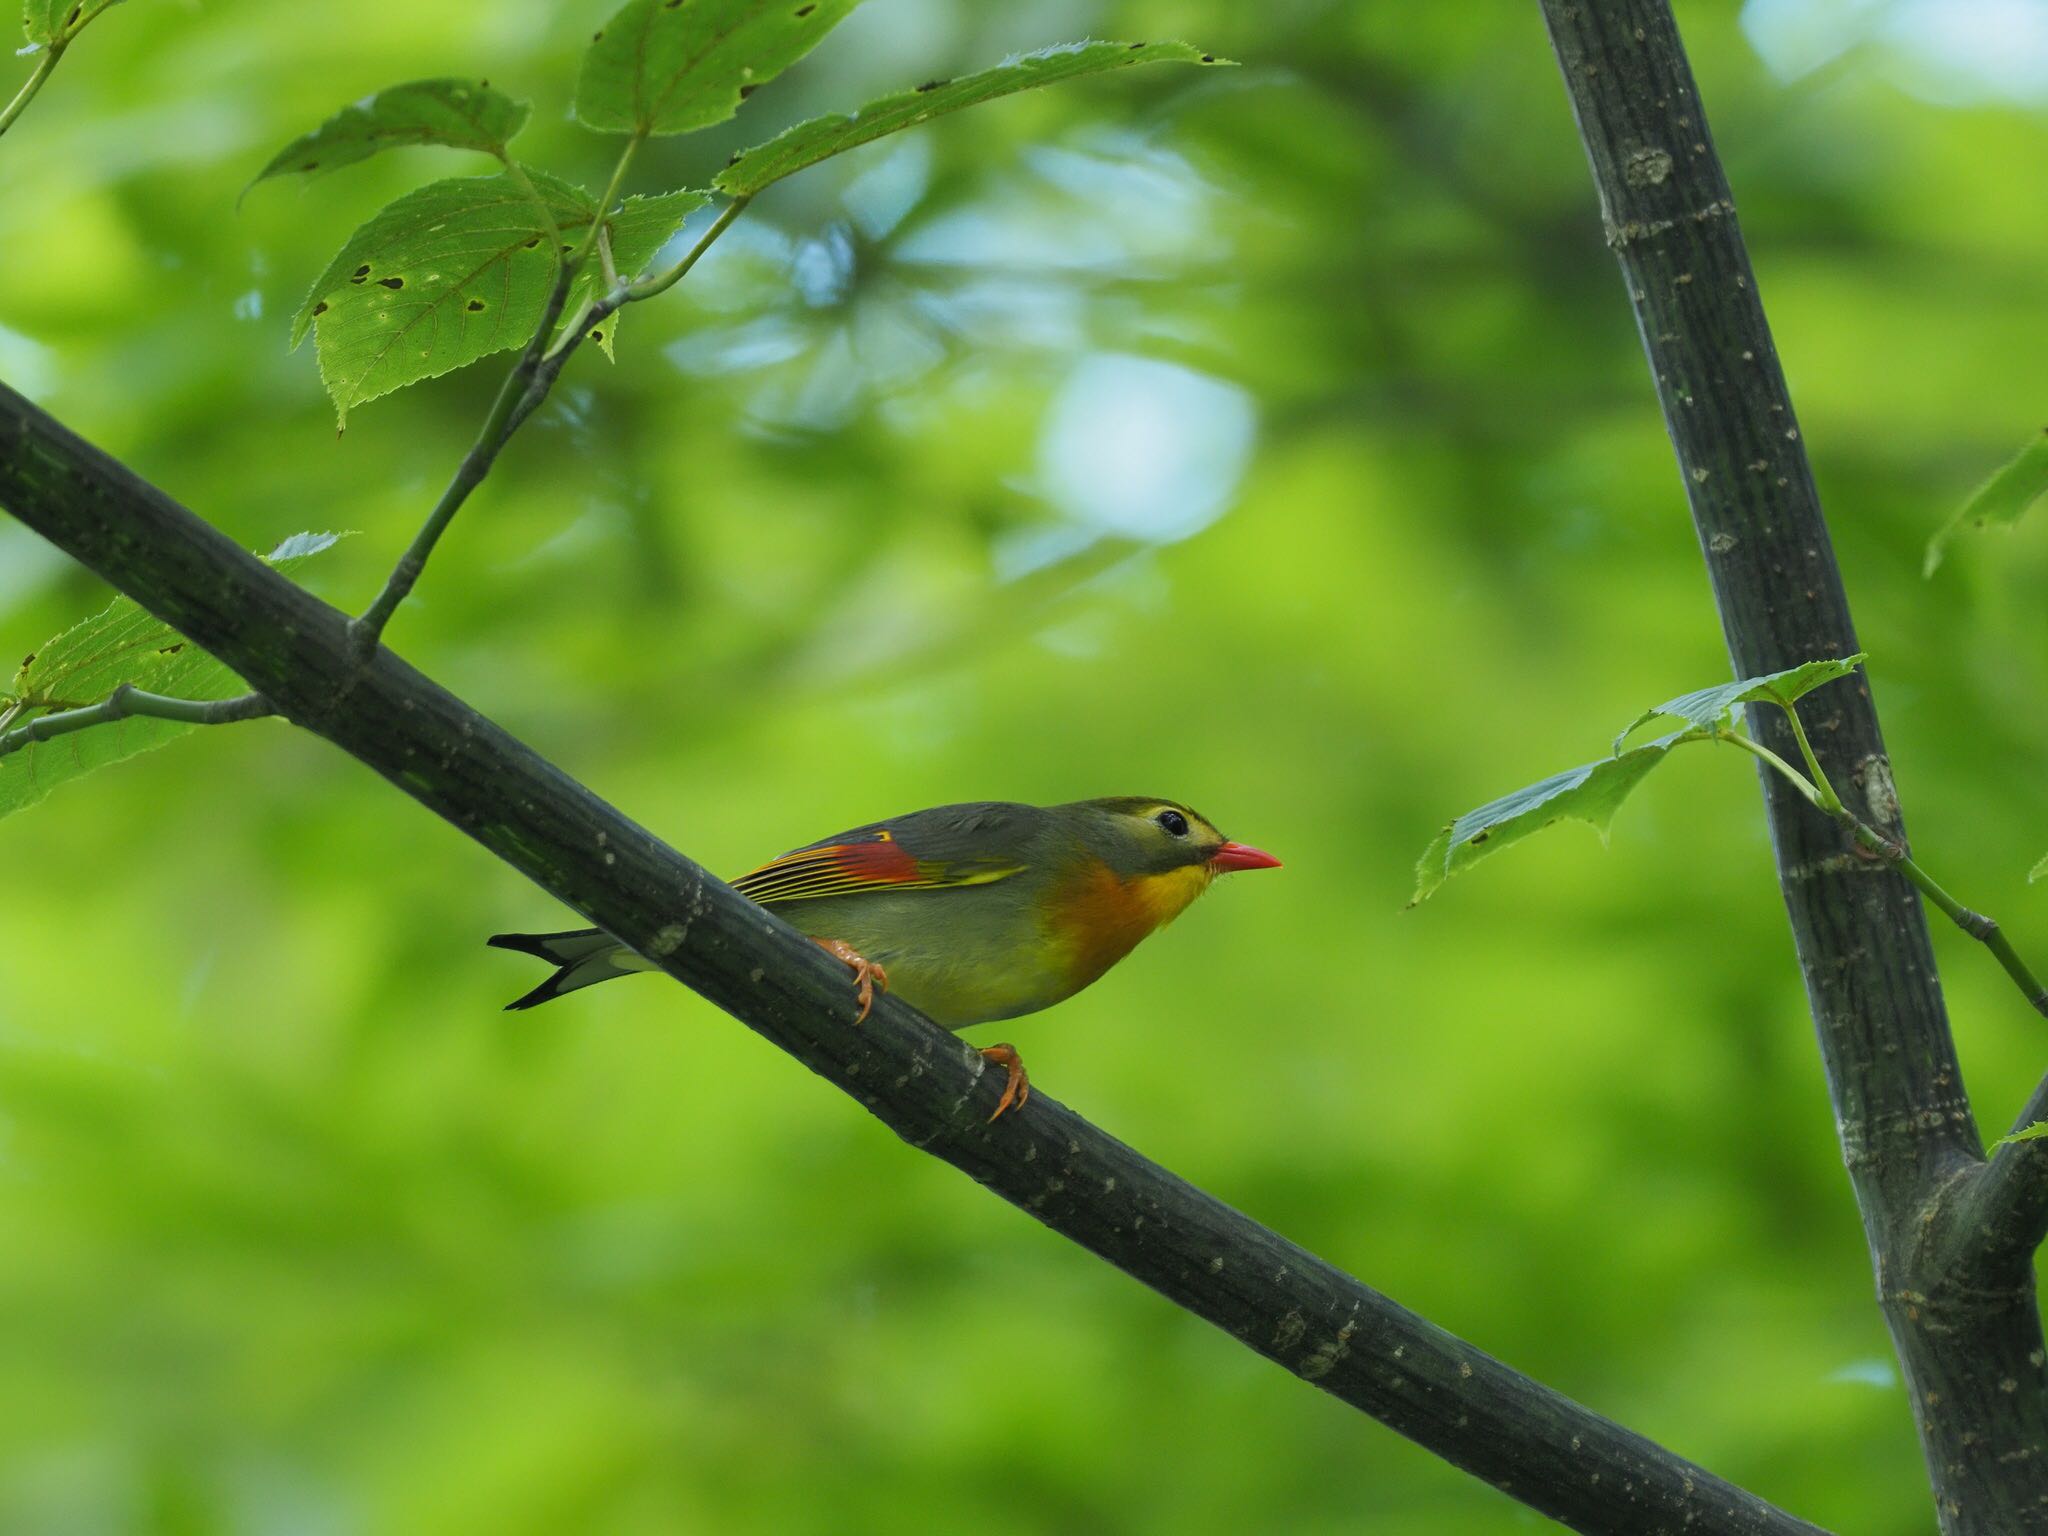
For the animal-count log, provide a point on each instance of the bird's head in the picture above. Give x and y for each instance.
(1139, 835)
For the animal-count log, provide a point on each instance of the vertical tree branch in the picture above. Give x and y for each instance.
(1970, 1343)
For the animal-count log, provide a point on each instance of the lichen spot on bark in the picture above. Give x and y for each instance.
(1880, 793)
(1647, 167)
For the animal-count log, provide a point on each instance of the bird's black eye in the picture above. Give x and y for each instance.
(1174, 822)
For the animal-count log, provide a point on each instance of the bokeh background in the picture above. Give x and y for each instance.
(1275, 439)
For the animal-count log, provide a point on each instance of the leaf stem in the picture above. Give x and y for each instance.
(1829, 801)
(126, 701)
(648, 287)
(45, 62)
(1757, 749)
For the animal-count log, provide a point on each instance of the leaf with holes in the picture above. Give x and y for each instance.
(459, 114)
(670, 66)
(2002, 499)
(822, 137)
(58, 21)
(1590, 793)
(1710, 709)
(453, 272)
(638, 228)
(122, 644)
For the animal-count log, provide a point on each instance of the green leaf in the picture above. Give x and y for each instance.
(822, 137)
(2034, 1132)
(669, 66)
(1591, 793)
(639, 227)
(1710, 709)
(122, 644)
(460, 114)
(460, 269)
(2001, 499)
(445, 275)
(58, 21)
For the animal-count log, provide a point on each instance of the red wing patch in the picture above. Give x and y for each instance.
(833, 870)
(840, 869)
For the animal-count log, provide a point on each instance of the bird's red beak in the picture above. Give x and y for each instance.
(1241, 856)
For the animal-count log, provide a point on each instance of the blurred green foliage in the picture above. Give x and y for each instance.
(1276, 439)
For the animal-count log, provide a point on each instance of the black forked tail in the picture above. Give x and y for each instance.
(585, 956)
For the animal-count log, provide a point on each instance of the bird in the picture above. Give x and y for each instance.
(970, 913)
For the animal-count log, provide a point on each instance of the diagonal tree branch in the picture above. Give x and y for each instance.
(1967, 1331)
(1274, 1297)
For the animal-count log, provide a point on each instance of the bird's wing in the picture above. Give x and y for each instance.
(870, 859)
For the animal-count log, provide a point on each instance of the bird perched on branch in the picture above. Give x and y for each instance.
(969, 913)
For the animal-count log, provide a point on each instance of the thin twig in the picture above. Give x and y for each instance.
(503, 420)
(648, 287)
(51, 52)
(1822, 795)
(46, 62)
(517, 398)
(127, 701)
(621, 294)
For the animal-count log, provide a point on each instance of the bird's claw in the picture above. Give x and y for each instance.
(1017, 1090)
(867, 975)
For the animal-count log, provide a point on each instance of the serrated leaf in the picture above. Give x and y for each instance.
(459, 114)
(639, 227)
(2034, 1132)
(460, 269)
(2004, 498)
(1710, 709)
(669, 66)
(121, 644)
(1591, 793)
(58, 21)
(822, 137)
(445, 275)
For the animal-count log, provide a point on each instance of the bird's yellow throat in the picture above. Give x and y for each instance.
(1100, 918)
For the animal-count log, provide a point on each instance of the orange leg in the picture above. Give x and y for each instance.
(1017, 1090)
(866, 974)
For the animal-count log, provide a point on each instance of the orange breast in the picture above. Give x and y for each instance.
(1099, 918)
